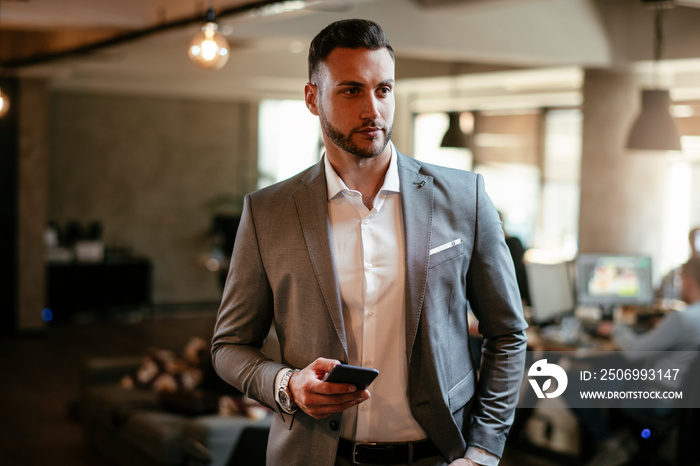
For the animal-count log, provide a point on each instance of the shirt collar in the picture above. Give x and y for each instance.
(336, 185)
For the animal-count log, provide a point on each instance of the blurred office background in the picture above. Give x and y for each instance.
(123, 163)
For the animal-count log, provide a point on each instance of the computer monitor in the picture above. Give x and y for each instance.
(609, 280)
(551, 291)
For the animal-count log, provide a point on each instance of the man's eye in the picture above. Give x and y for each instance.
(385, 90)
(351, 91)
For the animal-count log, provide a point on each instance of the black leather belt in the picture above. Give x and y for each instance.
(386, 453)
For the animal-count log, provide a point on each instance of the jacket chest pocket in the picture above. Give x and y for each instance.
(445, 252)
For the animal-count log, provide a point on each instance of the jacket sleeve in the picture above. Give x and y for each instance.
(244, 319)
(495, 301)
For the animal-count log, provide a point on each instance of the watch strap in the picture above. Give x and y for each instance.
(284, 387)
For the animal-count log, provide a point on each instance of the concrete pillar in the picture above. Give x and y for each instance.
(32, 185)
(622, 193)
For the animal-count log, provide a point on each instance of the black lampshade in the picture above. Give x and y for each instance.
(454, 136)
(655, 128)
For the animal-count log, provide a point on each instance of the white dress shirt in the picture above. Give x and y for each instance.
(369, 252)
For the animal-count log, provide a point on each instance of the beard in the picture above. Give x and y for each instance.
(345, 142)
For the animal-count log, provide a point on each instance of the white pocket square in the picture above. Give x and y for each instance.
(451, 244)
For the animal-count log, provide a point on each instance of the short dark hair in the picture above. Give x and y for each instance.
(346, 33)
(692, 269)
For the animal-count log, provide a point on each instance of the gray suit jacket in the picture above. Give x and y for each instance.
(282, 267)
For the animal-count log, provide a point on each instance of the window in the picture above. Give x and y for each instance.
(506, 149)
(429, 130)
(557, 231)
(530, 160)
(288, 140)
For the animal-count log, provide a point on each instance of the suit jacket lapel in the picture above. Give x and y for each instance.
(312, 208)
(417, 202)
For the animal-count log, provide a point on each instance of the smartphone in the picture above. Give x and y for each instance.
(360, 377)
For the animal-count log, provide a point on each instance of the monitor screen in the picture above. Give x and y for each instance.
(613, 279)
(551, 291)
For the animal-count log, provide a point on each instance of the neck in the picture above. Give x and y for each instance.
(363, 175)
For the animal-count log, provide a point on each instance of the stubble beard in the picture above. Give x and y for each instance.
(346, 143)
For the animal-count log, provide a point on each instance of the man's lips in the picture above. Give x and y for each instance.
(372, 131)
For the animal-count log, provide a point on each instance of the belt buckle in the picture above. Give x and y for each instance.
(354, 452)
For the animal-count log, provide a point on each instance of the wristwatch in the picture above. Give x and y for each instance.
(285, 395)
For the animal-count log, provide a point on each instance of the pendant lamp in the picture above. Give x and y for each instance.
(454, 136)
(654, 128)
(209, 49)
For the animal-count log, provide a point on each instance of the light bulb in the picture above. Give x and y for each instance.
(209, 49)
(4, 104)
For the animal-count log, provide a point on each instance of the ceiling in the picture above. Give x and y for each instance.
(485, 49)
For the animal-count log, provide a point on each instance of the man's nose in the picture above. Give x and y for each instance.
(370, 110)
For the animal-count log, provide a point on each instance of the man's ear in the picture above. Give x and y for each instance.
(311, 97)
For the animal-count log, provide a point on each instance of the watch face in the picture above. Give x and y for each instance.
(284, 399)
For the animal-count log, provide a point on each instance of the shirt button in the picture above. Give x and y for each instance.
(370, 314)
(334, 425)
(368, 266)
(365, 221)
(364, 408)
(368, 362)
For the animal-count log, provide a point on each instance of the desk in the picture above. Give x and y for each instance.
(536, 342)
(547, 339)
(84, 286)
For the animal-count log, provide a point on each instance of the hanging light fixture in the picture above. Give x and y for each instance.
(454, 136)
(209, 49)
(655, 128)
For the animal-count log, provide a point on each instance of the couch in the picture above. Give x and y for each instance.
(131, 427)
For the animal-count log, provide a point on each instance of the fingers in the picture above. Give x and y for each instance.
(320, 407)
(318, 398)
(322, 366)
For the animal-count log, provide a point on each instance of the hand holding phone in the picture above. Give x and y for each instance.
(358, 376)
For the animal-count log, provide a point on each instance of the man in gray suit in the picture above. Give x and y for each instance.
(373, 259)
